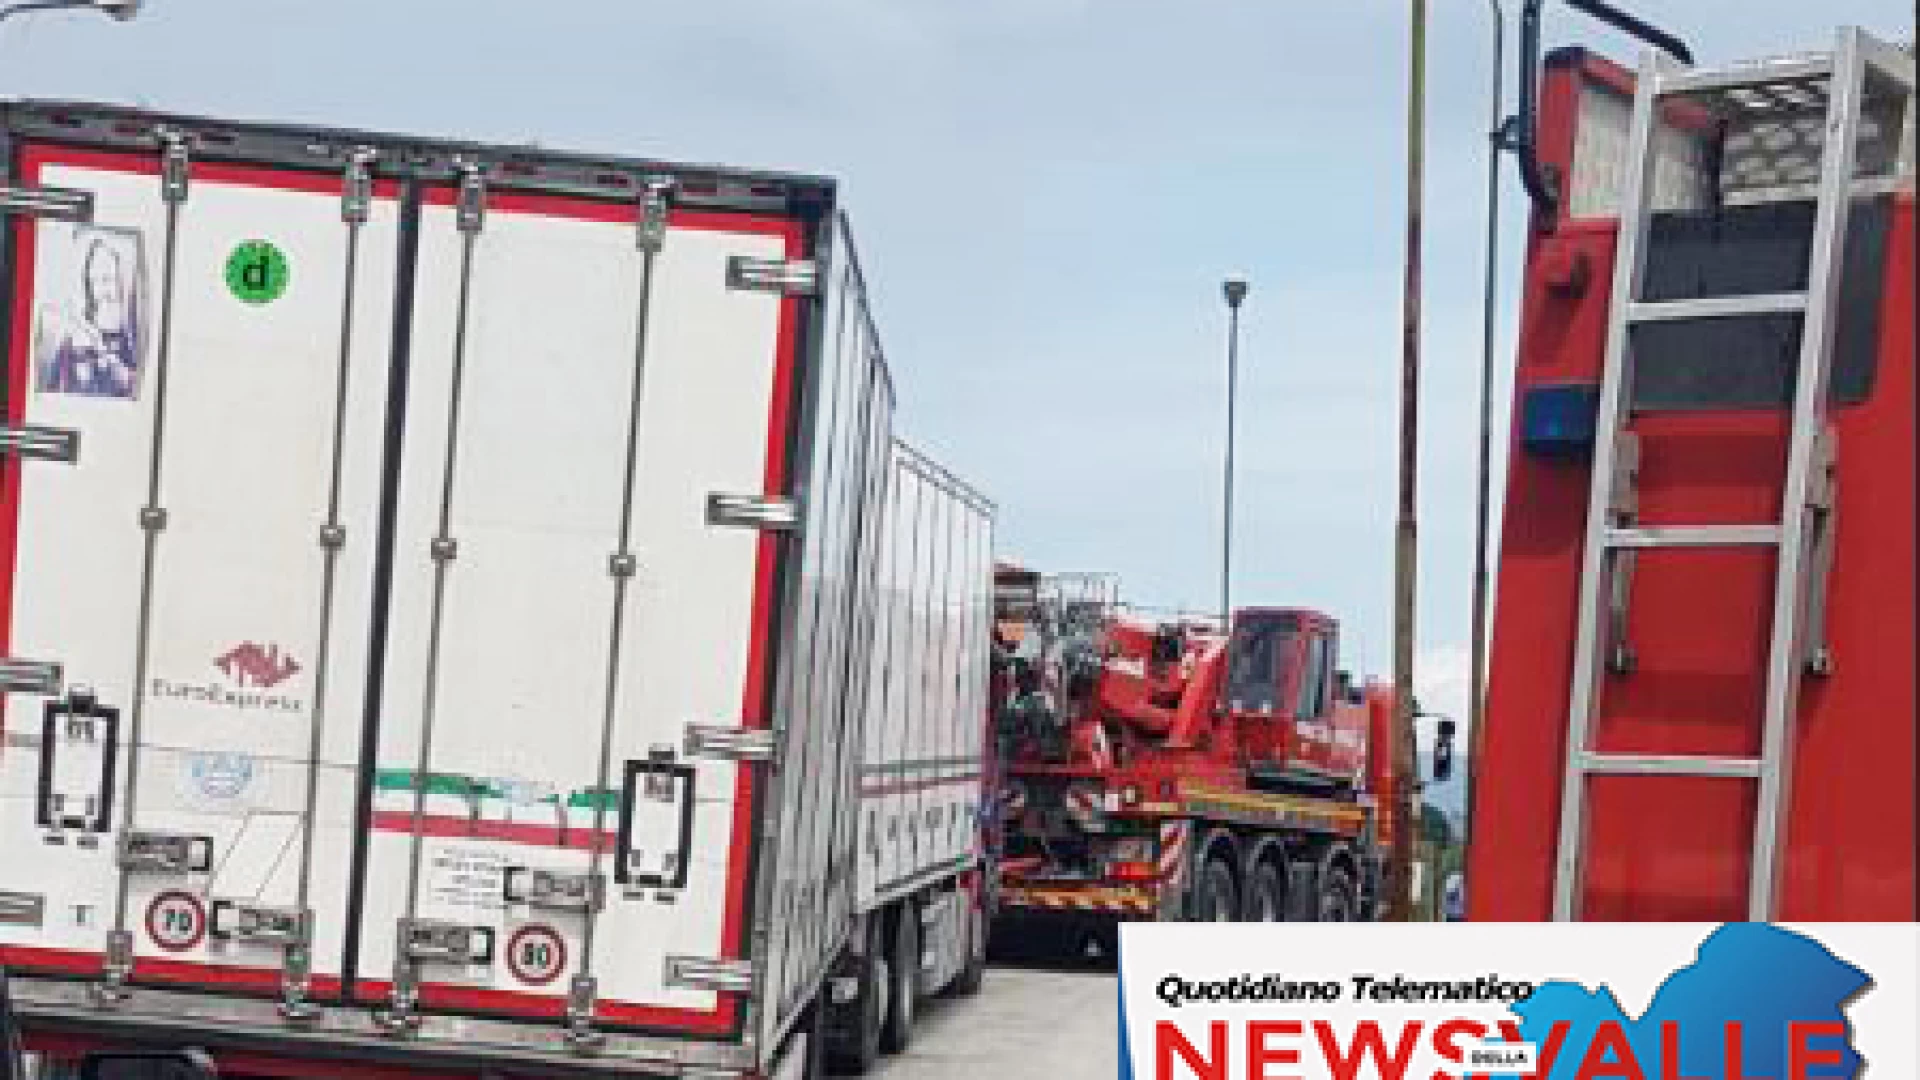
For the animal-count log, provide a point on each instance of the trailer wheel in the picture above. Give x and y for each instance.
(974, 971)
(903, 963)
(857, 1048)
(1216, 899)
(815, 1065)
(1338, 901)
(1266, 894)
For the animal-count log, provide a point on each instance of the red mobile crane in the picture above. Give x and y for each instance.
(1701, 703)
(1157, 768)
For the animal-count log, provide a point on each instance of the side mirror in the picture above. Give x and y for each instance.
(1345, 690)
(1443, 751)
(188, 1065)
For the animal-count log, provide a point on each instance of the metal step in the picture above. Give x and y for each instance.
(1694, 536)
(1718, 307)
(1667, 765)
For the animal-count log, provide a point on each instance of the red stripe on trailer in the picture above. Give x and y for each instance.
(453, 826)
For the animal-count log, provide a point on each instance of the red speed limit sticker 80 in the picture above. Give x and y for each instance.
(176, 921)
(536, 954)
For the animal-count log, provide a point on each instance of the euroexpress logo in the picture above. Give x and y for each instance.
(1758, 1002)
(252, 669)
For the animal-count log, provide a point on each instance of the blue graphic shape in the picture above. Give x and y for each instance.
(1754, 975)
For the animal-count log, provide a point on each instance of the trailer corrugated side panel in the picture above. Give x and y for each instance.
(807, 880)
(925, 723)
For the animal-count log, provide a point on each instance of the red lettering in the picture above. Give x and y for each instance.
(1736, 1053)
(1446, 1036)
(1368, 1043)
(1168, 1041)
(1444, 1042)
(1801, 1054)
(1259, 1056)
(1670, 1053)
(1610, 1040)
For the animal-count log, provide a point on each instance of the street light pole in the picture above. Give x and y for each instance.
(1235, 291)
(1406, 546)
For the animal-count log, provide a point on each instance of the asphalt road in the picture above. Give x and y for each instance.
(1056, 1022)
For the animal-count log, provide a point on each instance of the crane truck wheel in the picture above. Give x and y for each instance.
(903, 963)
(856, 1048)
(1338, 900)
(1266, 894)
(1216, 897)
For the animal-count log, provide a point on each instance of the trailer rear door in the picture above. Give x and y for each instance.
(557, 623)
(215, 343)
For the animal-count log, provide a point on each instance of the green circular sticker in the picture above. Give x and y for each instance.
(257, 272)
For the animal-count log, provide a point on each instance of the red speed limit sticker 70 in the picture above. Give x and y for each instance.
(176, 921)
(536, 954)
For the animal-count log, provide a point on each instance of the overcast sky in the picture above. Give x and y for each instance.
(1046, 194)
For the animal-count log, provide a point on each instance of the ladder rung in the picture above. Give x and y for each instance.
(1694, 536)
(1718, 307)
(1762, 74)
(1668, 765)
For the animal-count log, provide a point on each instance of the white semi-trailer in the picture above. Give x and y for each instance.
(465, 609)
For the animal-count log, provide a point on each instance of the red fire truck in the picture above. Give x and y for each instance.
(1701, 702)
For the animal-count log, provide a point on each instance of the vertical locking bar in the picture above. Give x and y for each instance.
(356, 205)
(655, 204)
(469, 216)
(175, 172)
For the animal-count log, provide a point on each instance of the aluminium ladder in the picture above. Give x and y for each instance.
(1801, 537)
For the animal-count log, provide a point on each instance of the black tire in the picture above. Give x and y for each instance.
(1339, 902)
(855, 1049)
(903, 963)
(1216, 898)
(974, 972)
(815, 1066)
(1266, 895)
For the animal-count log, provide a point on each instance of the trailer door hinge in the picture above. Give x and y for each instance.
(30, 677)
(56, 204)
(656, 201)
(797, 277)
(470, 206)
(729, 743)
(699, 973)
(175, 163)
(753, 512)
(41, 443)
(22, 909)
(260, 924)
(356, 187)
(151, 851)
